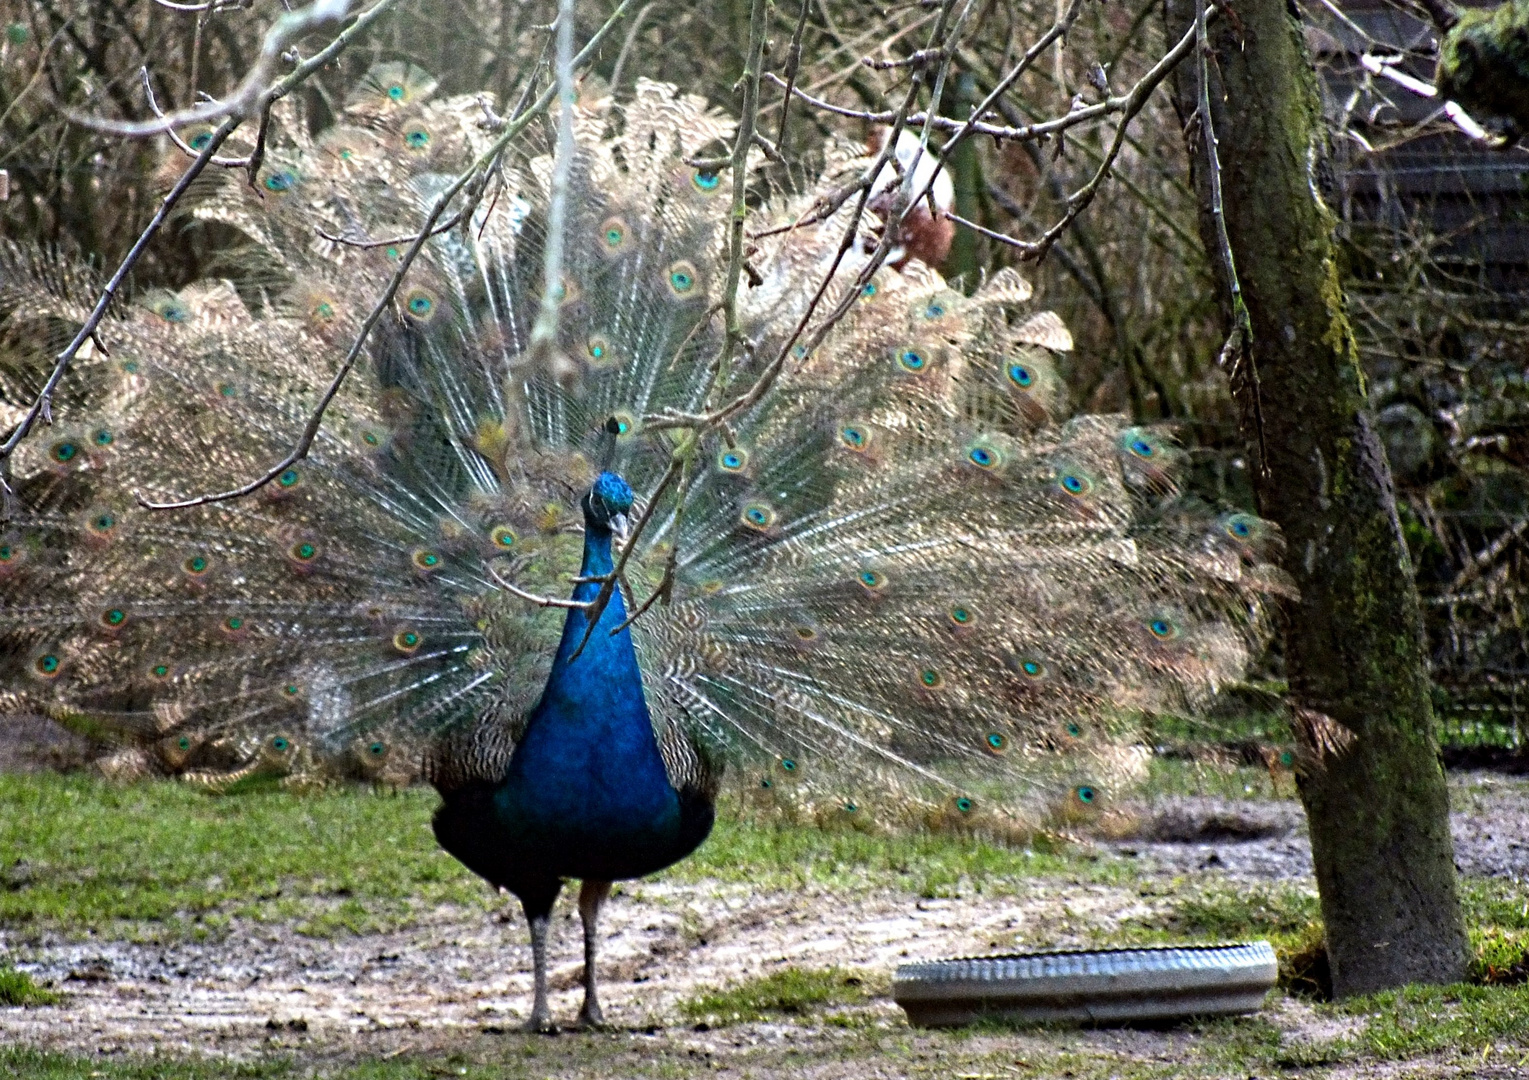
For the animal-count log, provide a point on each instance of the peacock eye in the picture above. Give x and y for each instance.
(1142, 448)
(934, 311)
(682, 278)
(183, 743)
(395, 92)
(733, 460)
(419, 305)
(289, 478)
(1162, 629)
(280, 182)
(872, 579)
(758, 516)
(200, 140)
(961, 616)
(407, 641)
(964, 805)
(1085, 794)
(64, 452)
(1021, 376)
(706, 180)
(103, 437)
(982, 457)
(911, 360)
(280, 745)
(377, 749)
(997, 743)
(788, 764)
(304, 552)
(931, 679)
(868, 290)
(417, 138)
(1033, 669)
(1074, 730)
(1075, 485)
(426, 560)
(502, 537)
(853, 437)
(47, 664)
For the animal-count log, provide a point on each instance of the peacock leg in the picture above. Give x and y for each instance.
(538, 911)
(591, 896)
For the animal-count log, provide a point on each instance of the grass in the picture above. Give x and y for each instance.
(165, 861)
(17, 988)
(789, 992)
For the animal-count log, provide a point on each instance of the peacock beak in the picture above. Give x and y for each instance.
(619, 525)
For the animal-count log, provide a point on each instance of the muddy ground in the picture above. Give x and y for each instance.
(459, 975)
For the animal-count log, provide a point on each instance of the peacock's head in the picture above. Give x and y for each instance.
(607, 504)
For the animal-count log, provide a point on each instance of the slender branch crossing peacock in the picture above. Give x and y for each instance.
(901, 590)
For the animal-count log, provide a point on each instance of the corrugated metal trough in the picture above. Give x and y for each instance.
(1092, 986)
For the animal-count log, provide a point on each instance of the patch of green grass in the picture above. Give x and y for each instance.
(165, 860)
(1175, 776)
(161, 860)
(24, 1064)
(1420, 1020)
(788, 992)
(1244, 912)
(925, 863)
(18, 988)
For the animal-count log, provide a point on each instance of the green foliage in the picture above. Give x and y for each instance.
(17, 988)
(790, 991)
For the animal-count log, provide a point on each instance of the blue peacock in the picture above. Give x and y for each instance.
(901, 590)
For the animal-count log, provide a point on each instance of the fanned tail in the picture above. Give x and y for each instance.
(900, 587)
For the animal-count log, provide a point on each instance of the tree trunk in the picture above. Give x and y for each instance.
(1378, 812)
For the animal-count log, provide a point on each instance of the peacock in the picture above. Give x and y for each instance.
(901, 589)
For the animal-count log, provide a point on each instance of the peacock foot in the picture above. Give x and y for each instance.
(592, 1018)
(541, 1024)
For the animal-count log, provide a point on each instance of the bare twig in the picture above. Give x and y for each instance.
(41, 407)
(148, 93)
(1237, 354)
(534, 598)
(544, 330)
(1134, 101)
(255, 91)
(476, 175)
(793, 66)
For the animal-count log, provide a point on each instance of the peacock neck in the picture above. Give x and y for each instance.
(606, 655)
(591, 732)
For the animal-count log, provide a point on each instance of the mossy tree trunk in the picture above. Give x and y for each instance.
(1378, 813)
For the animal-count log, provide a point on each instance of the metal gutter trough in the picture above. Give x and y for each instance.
(1107, 986)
